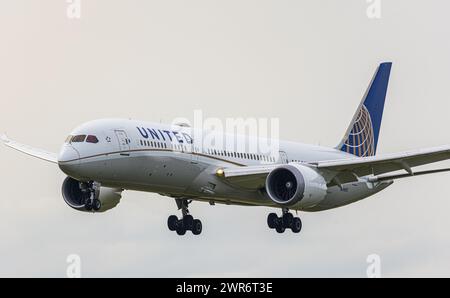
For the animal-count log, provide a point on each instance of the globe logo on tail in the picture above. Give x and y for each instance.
(360, 141)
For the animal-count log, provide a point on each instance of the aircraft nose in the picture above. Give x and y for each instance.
(69, 159)
(68, 154)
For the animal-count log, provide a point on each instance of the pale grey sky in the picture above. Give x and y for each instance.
(306, 62)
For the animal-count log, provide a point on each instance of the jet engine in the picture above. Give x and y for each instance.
(78, 194)
(295, 186)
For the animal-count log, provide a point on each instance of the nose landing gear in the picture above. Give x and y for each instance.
(91, 190)
(187, 222)
(286, 221)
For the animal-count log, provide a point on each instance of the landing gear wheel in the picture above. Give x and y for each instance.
(280, 229)
(296, 225)
(97, 205)
(172, 222)
(288, 219)
(196, 227)
(181, 230)
(88, 205)
(272, 220)
(188, 222)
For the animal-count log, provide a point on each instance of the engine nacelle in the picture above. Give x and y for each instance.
(295, 185)
(75, 194)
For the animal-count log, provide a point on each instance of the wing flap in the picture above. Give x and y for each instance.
(400, 176)
(35, 152)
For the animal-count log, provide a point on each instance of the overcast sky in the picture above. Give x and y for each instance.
(307, 63)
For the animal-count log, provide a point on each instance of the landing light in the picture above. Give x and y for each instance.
(220, 172)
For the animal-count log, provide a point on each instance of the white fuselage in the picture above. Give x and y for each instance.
(180, 162)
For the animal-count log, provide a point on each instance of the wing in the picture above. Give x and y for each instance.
(349, 170)
(38, 153)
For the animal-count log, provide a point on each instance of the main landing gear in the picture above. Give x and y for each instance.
(286, 221)
(187, 222)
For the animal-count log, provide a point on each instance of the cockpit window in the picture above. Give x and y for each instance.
(92, 139)
(78, 139)
(69, 138)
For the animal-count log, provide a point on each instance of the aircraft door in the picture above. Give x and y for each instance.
(124, 141)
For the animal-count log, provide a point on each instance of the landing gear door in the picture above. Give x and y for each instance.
(283, 157)
(124, 141)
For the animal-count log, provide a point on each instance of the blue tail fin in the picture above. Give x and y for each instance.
(361, 138)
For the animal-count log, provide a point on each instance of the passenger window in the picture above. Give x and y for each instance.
(92, 139)
(78, 139)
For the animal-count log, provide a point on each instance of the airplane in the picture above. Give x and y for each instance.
(102, 158)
